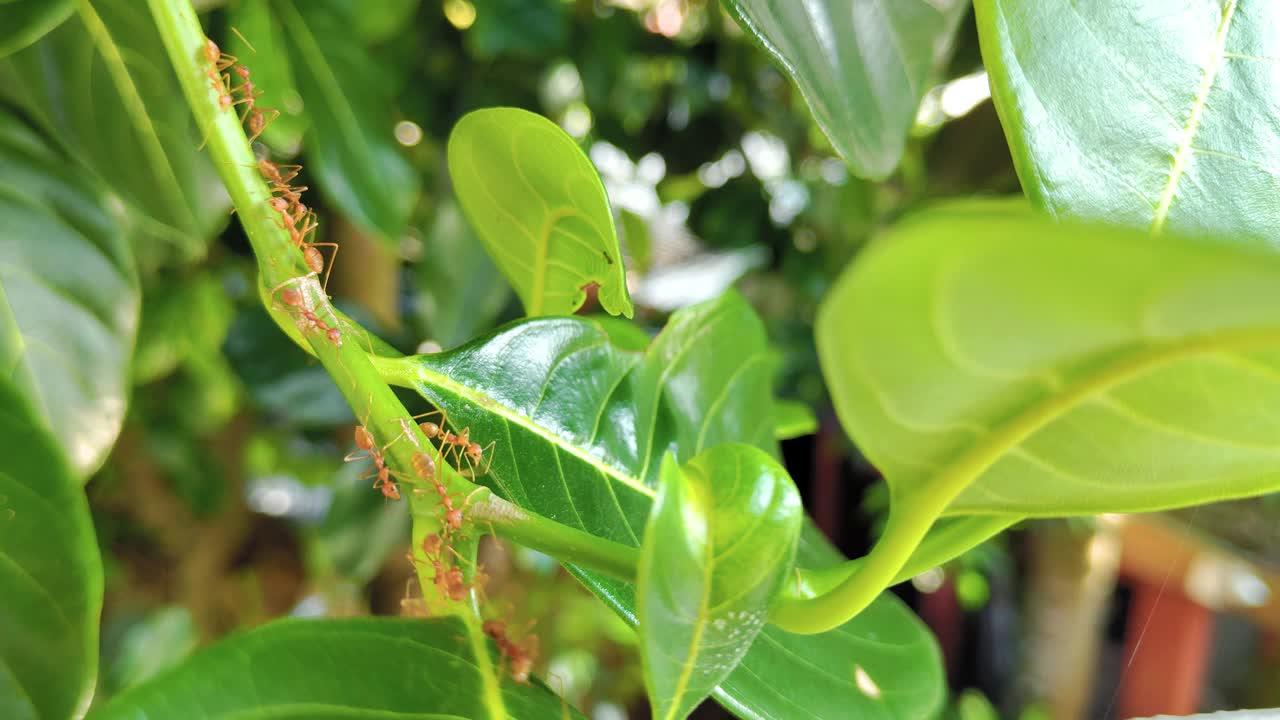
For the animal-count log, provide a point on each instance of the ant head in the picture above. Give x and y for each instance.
(431, 544)
(454, 519)
(211, 51)
(474, 451)
(390, 491)
(224, 101)
(335, 336)
(243, 72)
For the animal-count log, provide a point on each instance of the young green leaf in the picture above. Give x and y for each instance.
(349, 141)
(540, 209)
(102, 86)
(22, 22)
(50, 571)
(579, 426)
(1163, 132)
(68, 285)
(720, 540)
(794, 419)
(861, 66)
(363, 668)
(989, 360)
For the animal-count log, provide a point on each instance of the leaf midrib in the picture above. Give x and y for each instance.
(1193, 121)
(969, 467)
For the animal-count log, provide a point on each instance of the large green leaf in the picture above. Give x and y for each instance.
(862, 65)
(349, 139)
(580, 426)
(102, 86)
(720, 541)
(989, 360)
(71, 296)
(540, 209)
(22, 22)
(50, 572)
(271, 68)
(1126, 112)
(363, 668)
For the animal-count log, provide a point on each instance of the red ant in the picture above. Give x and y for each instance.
(521, 656)
(425, 468)
(460, 445)
(292, 297)
(257, 118)
(366, 444)
(449, 580)
(218, 61)
(301, 222)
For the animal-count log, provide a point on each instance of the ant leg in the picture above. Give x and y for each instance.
(243, 39)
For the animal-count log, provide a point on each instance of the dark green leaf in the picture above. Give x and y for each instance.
(156, 642)
(101, 85)
(579, 425)
(1128, 113)
(720, 541)
(519, 27)
(272, 71)
(22, 22)
(460, 292)
(1024, 367)
(68, 282)
(365, 668)
(350, 140)
(50, 572)
(861, 65)
(536, 202)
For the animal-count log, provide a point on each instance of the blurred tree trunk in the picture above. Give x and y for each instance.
(1071, 577)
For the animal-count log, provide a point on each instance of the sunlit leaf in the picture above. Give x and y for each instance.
(1125, 112)
(579, 426)
(362, 668)
(68, 282)
(537, 204)
(1024, 367)
(793, 420)
(862, 65)
(720, 541)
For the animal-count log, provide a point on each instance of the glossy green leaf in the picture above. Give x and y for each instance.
(271, 67)
(68, 283)
(102, 86)
(720, 540)
(989, 360)
(50, 572)
(1129, 113)
(579, 426)
(350, 142)
(362, 668)
(459, 290)
(536, 202)
(862, 66)
(22, 22)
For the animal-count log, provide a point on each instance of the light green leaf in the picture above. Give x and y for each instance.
(350, 142)
(22, 22)
(50, 571)
(1126, 112)
(68, 285)
(793, 420)
(862, 65)
(720, 540)
(540, 209)
(579, 426)
(101, 85)
(989, 360)
(309, 669)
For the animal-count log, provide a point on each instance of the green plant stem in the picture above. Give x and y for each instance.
(280, 264)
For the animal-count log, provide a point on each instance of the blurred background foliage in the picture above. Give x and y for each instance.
(225, 502)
